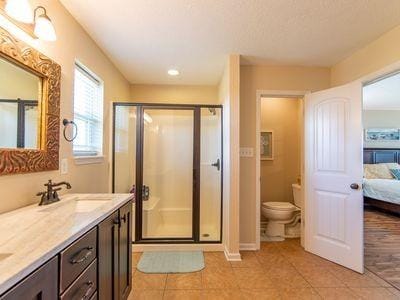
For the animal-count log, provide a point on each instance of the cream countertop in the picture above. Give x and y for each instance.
(31, 235)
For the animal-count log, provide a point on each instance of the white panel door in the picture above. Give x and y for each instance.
(333, 171)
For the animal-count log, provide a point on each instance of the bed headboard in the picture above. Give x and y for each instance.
(381, 155)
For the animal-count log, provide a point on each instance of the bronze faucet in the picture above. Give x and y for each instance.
(51, 195)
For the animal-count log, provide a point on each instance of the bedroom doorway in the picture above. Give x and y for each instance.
(381, 185)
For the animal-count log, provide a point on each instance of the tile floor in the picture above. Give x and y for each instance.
(280, 270)
(382, 245)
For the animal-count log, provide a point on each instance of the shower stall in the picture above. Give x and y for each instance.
(170, 157)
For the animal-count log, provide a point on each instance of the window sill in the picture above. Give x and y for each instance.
(88, 160)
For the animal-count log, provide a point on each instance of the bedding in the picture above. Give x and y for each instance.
(382, 189)
(379, 171)
(395, 173)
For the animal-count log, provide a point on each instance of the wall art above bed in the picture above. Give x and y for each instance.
(382, 134)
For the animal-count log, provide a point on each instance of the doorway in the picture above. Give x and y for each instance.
(170, 157)
(381, 158)
(280, 168)
(271, 94)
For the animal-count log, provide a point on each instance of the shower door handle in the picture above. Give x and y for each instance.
(217, 164)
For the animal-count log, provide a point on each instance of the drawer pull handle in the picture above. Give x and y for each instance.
(87, 288)
(81, 256)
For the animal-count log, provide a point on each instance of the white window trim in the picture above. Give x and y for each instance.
(99, 158)
(89, 160)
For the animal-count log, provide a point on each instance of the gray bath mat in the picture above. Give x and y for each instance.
(171, 262)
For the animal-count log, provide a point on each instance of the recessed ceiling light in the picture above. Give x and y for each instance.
(173, 72)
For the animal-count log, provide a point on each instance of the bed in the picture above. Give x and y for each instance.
(383, 191)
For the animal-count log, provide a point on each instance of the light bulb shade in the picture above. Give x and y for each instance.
(19, 10)
(44, 29)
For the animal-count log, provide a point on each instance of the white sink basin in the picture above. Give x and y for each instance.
(84, 206)
(94, 197)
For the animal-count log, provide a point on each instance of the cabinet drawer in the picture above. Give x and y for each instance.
(41, 284)
(84, 286)
(77, 257)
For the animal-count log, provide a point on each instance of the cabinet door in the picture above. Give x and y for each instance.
(41, 284)
(125, 250)
(108, 286)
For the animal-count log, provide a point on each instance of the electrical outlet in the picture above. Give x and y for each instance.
(64, 166)
(246, 152)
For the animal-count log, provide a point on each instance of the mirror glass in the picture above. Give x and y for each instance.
(19, 107)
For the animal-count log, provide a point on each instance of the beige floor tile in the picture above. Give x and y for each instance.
(249, 260)
(218, 278)
(294, 281)
(336, 293)
(143, 281)
(394, 291)
(319, 276)
(267, 259)
(221, 294)
(186, 281)
(251, 278)
(265, 294)
(146, 295)
(216, 259)
(286, 276)
(374, 293)
(299, 294)
(353, 279)
(379, 280)
(182, 295)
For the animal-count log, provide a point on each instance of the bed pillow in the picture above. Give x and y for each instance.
(377, 171)
(395, 173)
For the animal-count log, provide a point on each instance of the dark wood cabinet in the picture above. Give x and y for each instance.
(108, 257)
(115, 255)
(97, 265)
(41, 284)
(125, 251)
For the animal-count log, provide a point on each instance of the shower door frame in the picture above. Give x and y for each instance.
(196, 108)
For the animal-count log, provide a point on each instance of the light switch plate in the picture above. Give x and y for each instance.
(64, 166)
(246, 152)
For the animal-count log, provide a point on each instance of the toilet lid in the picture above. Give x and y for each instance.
(279, 205)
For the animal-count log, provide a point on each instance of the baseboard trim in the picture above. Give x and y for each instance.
(177, 247)
(232, 256)
(248, 246)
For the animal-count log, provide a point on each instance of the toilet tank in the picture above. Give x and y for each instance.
(297, 194)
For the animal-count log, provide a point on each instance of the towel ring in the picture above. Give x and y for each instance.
(66, 123)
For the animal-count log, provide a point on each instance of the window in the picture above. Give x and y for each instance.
(88, 113)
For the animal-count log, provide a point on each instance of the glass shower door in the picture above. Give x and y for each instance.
(210, 174)
(167, 187)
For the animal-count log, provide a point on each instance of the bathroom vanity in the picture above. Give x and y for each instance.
(77, 248)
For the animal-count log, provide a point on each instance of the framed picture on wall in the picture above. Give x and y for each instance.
(267, 145)
(382, 134)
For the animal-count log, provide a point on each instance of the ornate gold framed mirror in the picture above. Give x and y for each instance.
(29, 108)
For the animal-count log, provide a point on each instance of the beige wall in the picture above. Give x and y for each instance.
(175, 94)
(281, 115)
(253, 79)
(381, 119)
(72, 43)
(376, 55)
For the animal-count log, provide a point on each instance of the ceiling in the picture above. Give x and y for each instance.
(383, 94)
(146, 38)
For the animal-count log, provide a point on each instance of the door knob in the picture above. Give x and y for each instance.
(354, 186)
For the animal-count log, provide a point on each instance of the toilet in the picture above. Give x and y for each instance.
(284, 217)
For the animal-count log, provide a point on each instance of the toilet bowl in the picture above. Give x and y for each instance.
(284, 217)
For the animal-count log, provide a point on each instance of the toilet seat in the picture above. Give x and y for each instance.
(282, 206)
